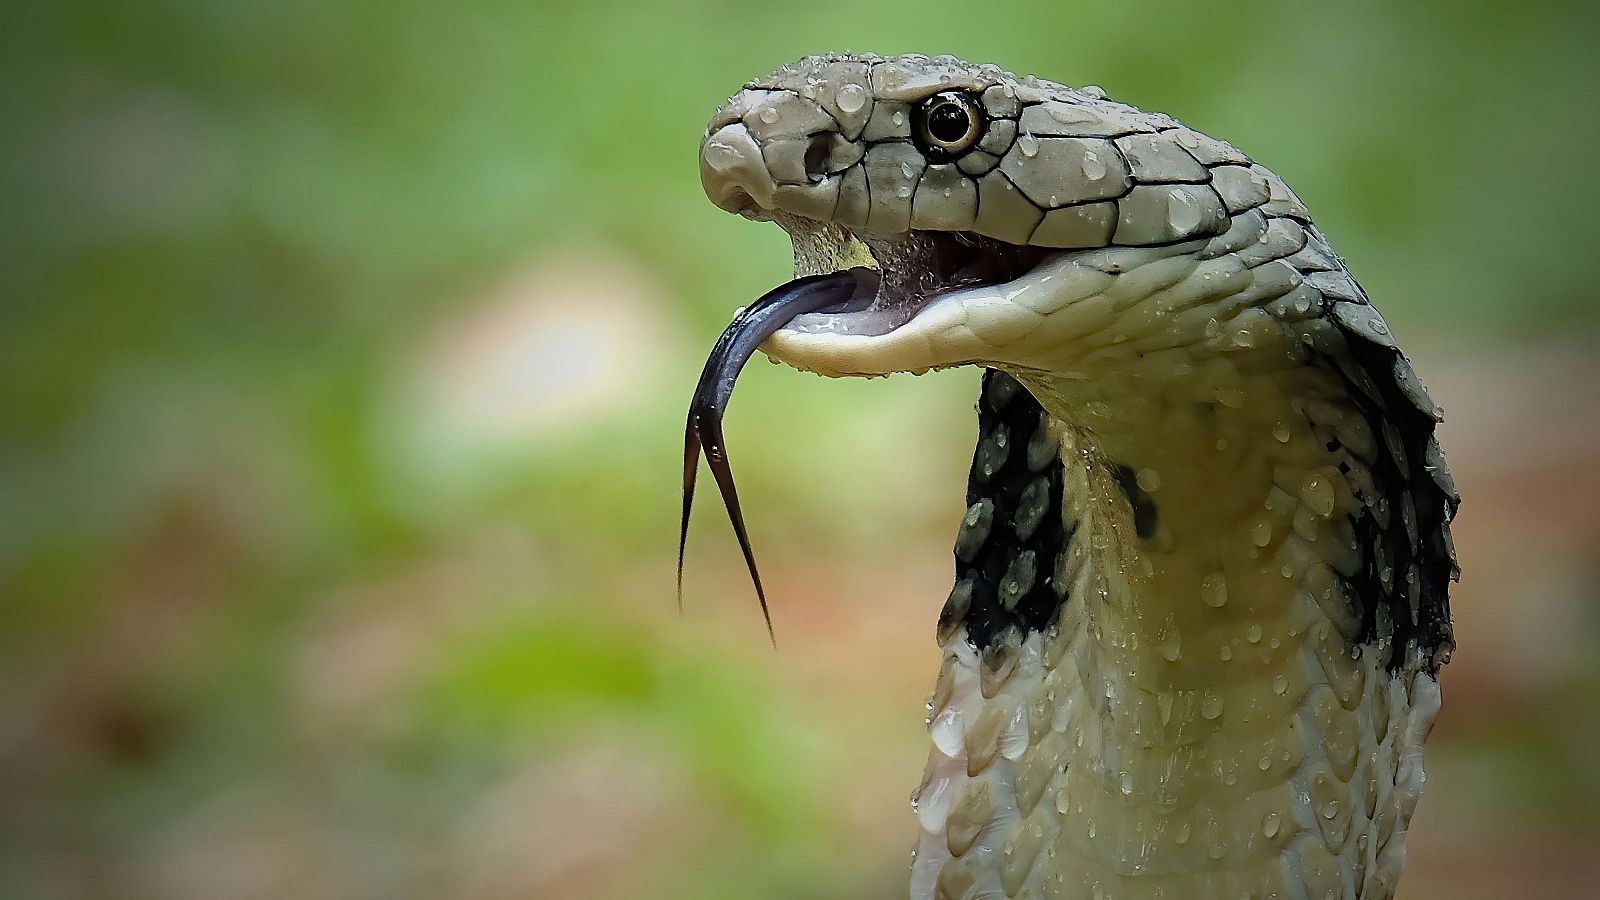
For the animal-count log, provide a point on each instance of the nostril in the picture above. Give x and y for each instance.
(818, 149)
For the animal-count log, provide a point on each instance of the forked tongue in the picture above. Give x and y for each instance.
(733, 349)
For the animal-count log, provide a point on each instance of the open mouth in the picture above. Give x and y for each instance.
(914, 268)
(849, 283)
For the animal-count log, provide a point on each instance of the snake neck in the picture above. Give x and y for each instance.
(1173, 697)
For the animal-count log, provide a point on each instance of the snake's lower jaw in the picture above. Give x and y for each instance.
(998, 324)
(828, 345)
(941, 301)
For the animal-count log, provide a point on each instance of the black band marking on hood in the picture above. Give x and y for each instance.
(1013, 536)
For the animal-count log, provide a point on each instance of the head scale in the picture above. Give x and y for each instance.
(896, 145)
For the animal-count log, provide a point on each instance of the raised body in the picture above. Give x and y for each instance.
(1200, 598)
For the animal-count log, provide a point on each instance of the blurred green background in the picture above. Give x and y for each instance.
(344, 348)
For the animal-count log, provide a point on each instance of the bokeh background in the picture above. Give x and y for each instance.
(344, 348)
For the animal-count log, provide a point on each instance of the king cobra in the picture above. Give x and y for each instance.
(1200, 599)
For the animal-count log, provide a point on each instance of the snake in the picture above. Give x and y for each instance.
(1200, 587)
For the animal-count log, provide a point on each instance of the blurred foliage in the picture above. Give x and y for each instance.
(235, 235)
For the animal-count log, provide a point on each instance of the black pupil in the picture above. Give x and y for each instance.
(948, 123)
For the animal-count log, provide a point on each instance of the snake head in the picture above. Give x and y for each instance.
(979, 197)
(1121, 266)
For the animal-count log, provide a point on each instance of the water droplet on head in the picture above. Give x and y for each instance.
(721, 156)
(1214, 590)
(769, 116)
(1067, 114)
(1028, 145)
(1269, 825)
(1183, 213)
(1280, 432)
(1094, 168)
(850, 98)
(1149, 480)
(1253, 634)
(1280, 685)
(1210, 705)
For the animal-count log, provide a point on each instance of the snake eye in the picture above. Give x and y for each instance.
(948, 124)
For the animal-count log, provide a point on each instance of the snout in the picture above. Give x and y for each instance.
(733, 171)
(775, 150)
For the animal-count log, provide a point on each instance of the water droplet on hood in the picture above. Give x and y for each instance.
(1317, 492)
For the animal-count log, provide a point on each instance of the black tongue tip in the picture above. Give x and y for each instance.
(732, 350)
